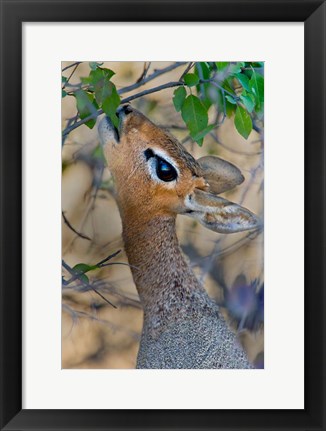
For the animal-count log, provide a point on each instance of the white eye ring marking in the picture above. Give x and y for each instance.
(163, 155)
(152, 166)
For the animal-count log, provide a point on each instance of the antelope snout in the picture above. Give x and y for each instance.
(124, 110)
(107, 131)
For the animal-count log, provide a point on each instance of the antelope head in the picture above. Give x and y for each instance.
(156, 176)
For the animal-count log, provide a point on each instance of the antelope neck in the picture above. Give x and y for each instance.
(160, 272)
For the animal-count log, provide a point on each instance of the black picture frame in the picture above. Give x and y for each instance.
(13, 14)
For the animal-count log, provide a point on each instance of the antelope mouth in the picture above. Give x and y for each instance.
(117, 134)
(108, 132)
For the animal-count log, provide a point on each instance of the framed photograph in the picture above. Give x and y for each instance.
(143, 289)
(162, 218)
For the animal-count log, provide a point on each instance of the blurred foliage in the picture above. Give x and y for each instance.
(234, 89)
(96, 92)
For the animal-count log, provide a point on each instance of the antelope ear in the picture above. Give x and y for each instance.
(220, 174)
(218, 214)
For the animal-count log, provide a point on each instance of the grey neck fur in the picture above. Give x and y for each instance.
(163, 278)
(182, 327)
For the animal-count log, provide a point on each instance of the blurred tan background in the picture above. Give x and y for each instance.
(96, 335)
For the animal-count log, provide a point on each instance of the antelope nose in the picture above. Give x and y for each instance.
(124, 109)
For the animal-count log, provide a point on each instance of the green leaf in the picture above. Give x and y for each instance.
(100, 82)
(248, 100)
(258, 64)
(221, 65)
(108, 73)
(230, 99)
(236, 67)
(179, 97)
(102, 90)
(86, 105)
(64, 79)
(80, 269)
(84, 278)
(86, 80)
(191, 79)
(243, 122)
(256, 85)
(106, 94)
(244, 80)
(111, 103)
(194, 115)
(63, 93)
(96, 76)
(227, 86)
(230, 108)
(94, 64)
(100, 73)
(203, 71)
(203, 133)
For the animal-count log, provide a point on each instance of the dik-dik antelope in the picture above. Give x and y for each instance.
(156, 179)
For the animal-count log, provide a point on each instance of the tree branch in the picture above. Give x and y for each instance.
(152, 90)
(71, 65)
(190, 65)
(81, 235)
(144, 72)
(151, 77)
(126, 100)
(69, 77)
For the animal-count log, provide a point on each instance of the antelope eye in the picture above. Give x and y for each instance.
(165, 171)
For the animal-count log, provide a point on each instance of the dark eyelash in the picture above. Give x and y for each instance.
(149, 153)
(164, 170)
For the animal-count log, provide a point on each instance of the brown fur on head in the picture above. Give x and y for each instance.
(156, 176)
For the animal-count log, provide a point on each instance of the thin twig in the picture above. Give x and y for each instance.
(251, 67)
(190, 65)
(124, 300)
(232, 247)
(74, 70)
(201, 77)
(154, 75)
(83, 314)
(147, 79)
(253, 174)
(224, 108)
(64, 137)
(71, 65)
(233, 150)
(217, 85)
(144, 72)
(111, 256)
(68, 268)
(141, 94)
(119, 263)
(101, 296)
(172, 126)
(78, 276)
(152, 90)
(126, 100)
(81, 235)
